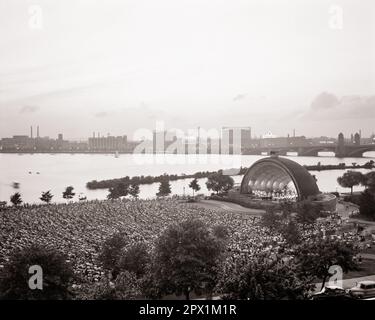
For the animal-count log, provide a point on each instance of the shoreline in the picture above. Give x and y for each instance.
(141, 180)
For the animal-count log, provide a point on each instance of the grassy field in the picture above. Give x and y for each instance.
(367, 268)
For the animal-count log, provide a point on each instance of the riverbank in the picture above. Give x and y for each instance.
(110, 183)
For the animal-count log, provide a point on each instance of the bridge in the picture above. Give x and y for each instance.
(340, 151)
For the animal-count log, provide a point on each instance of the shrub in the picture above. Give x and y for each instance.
(111, 251)
(57, 275)
(135, 259)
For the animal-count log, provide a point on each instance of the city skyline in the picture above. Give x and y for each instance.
(265, 135)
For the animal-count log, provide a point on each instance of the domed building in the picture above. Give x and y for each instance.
(275, 176)
(274, 180)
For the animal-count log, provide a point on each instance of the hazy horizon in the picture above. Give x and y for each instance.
(116, 66)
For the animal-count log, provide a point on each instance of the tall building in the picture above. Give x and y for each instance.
(238, 138)
(357, 139)
(109, 143)
(158, 141)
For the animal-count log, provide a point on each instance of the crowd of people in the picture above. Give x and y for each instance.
(80, 229)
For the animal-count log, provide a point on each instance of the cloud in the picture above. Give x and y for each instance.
(101, 114)
(328, 107)
(29, 109)
(324, 100)
(239, 97)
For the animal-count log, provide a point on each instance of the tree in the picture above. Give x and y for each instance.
(291, 233)
(186, 259)
(367, 204)
(135, 259)
(119, 190)
(350, 179)
(113, 194)
(46, 196)
(194, 185)
(134, 190)
(56, 278)
(318, 255)
(219, 182)
(307, 212)
(220, 232)
(261, 278)
(127, 286)
(369, 181)
(271, 219)
(16, 199)
(68, 193)
(369, 164)
(111, 250)
(164, 188)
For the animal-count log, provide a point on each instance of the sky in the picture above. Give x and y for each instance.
(116, 66)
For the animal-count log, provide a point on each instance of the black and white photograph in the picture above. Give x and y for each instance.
(199, 153)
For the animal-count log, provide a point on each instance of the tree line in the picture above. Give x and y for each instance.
(110, 183)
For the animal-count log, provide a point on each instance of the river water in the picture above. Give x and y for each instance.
(41, 172)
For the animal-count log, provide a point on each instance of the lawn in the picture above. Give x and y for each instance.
(367, 267)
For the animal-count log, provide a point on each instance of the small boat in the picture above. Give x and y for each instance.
(82, 197)
(16, 185)
(38, 172)
(30, 172)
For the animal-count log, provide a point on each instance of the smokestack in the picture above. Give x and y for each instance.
(294, 133)
(37, 131)
(31, 132)
(93, 134)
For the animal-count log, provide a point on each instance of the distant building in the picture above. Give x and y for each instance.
(158, 141)
(268, 135)
(19, 142)
(280, 142)
(237, 138)
(318, 141)
(357, 139)
(109, 143)
(30, 144)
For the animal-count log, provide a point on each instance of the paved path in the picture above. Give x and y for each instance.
(228, 206)
(344, 209)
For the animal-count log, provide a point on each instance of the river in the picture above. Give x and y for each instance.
(41, 172)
